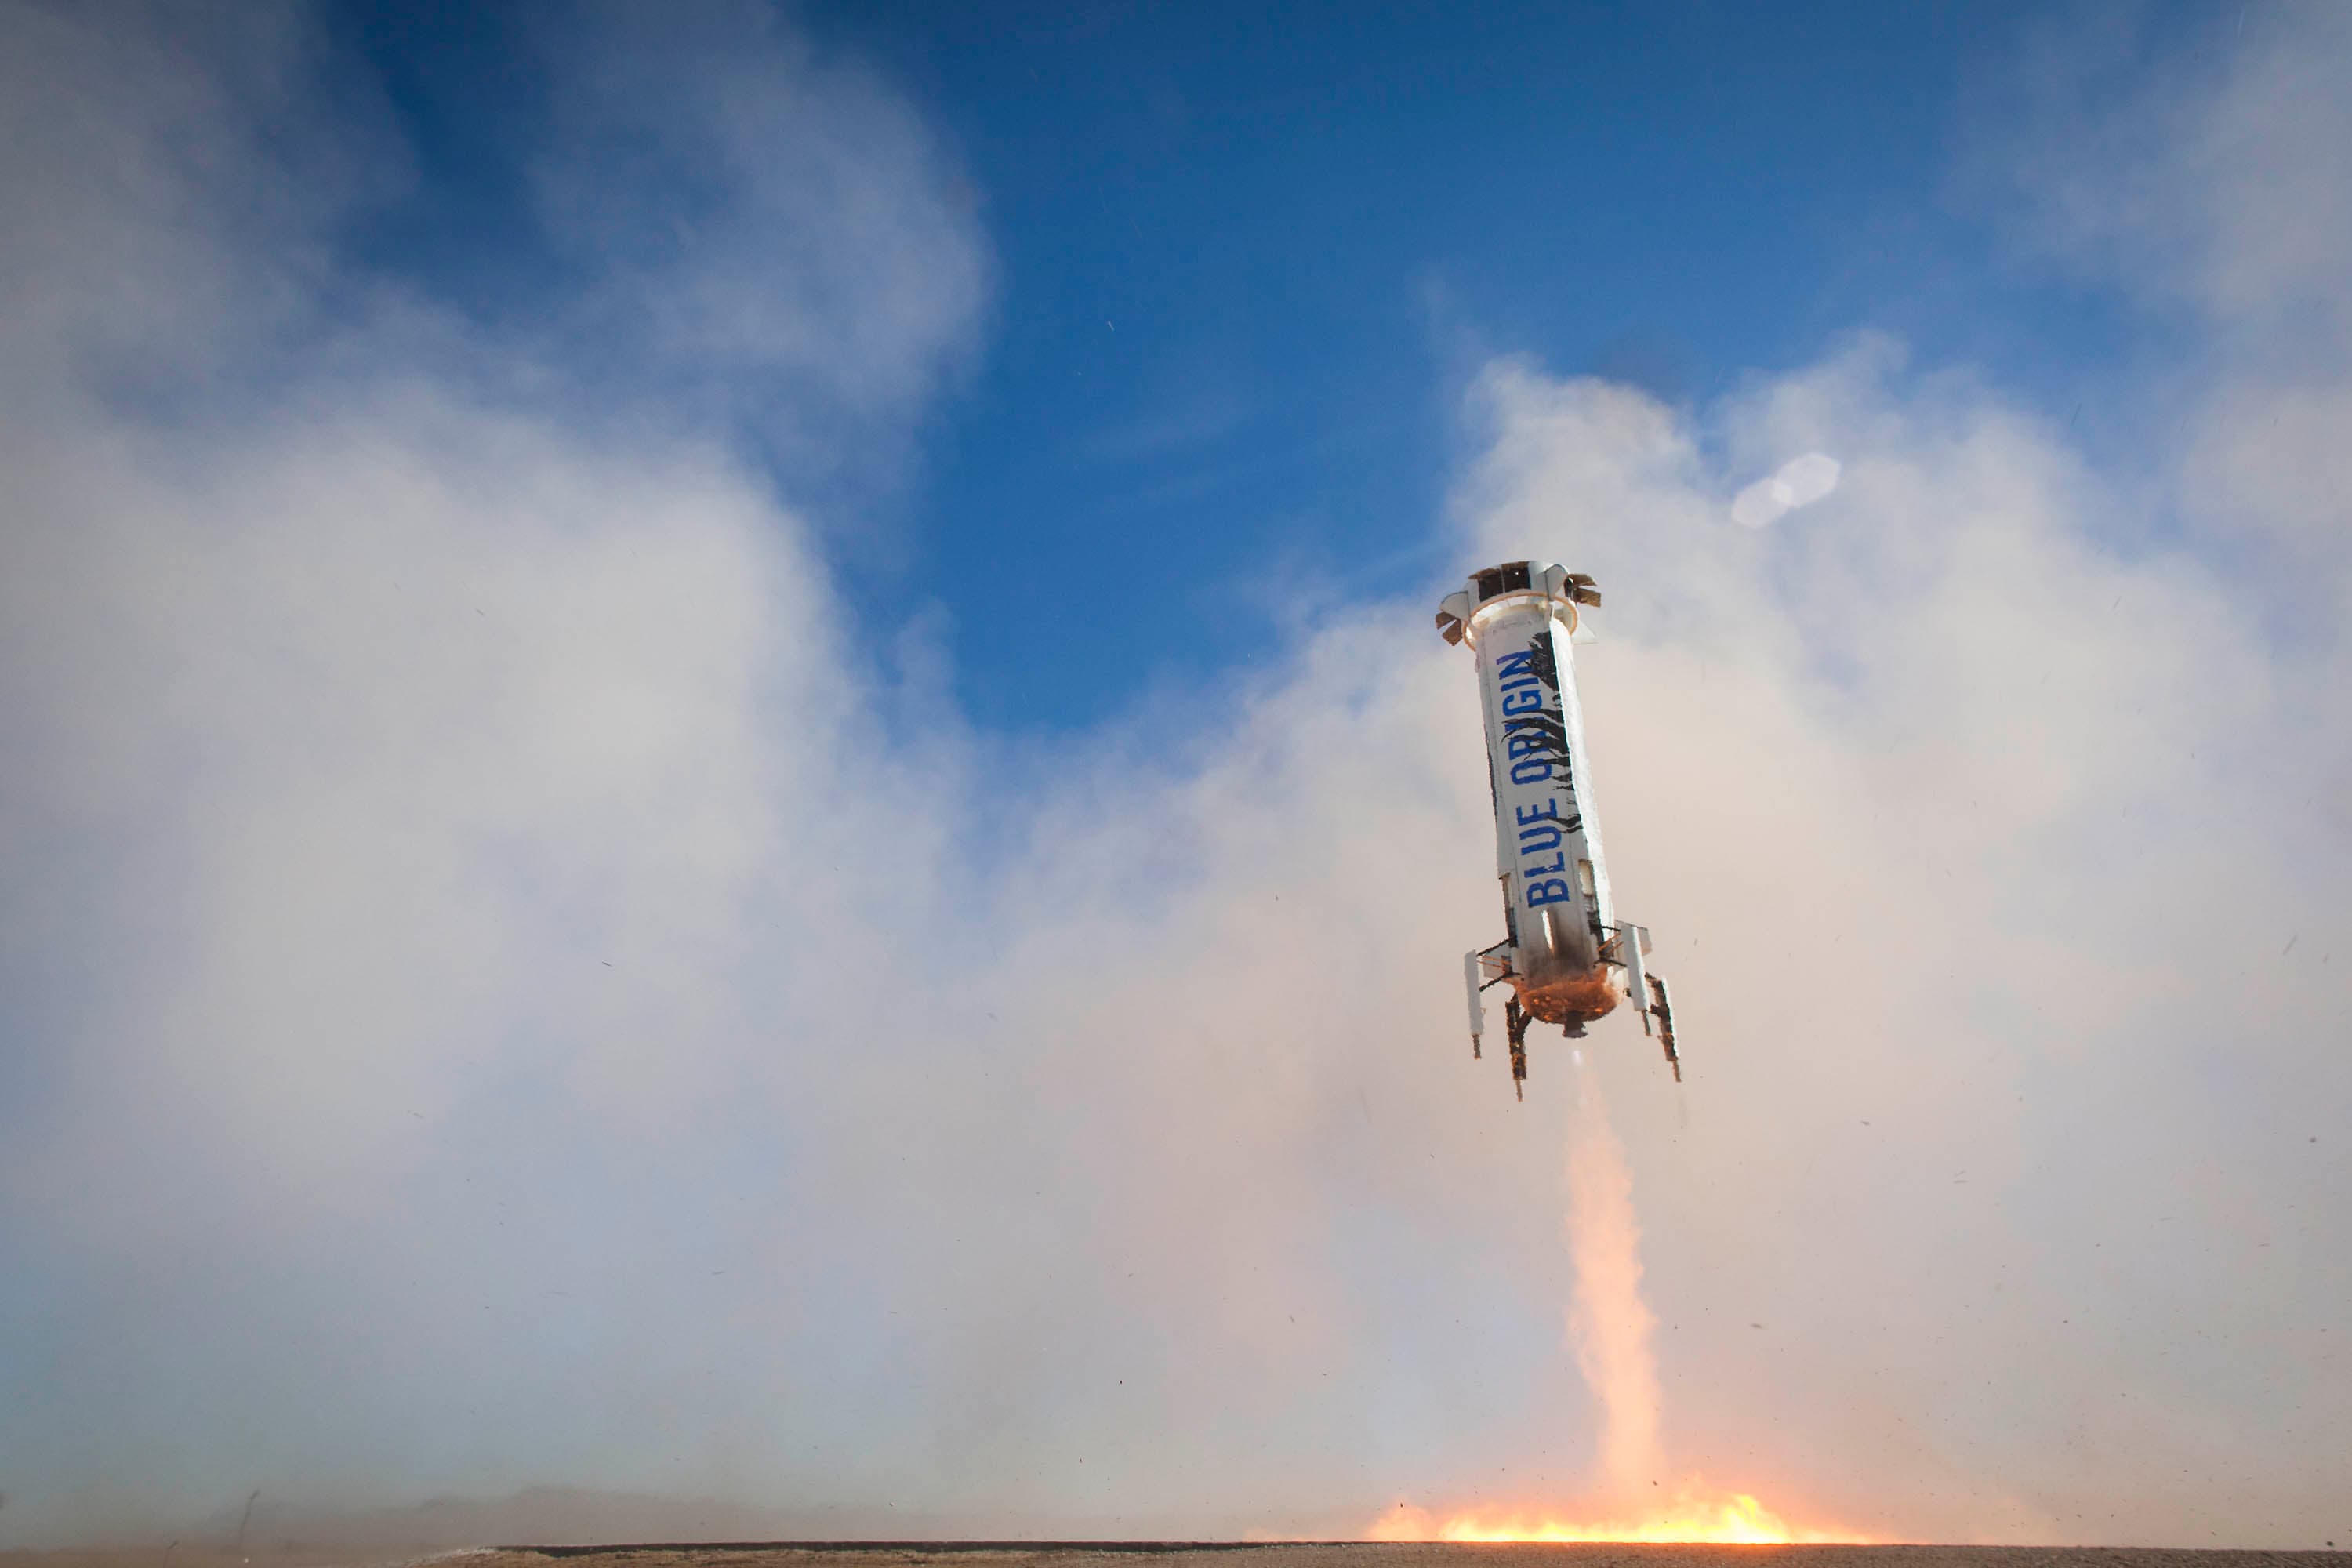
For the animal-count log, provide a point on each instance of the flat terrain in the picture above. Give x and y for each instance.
(1395, 1555)
(984, 1554)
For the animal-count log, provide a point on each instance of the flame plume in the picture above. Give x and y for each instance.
(1609, 1324)
(1608, 1329)
(1694, 1515)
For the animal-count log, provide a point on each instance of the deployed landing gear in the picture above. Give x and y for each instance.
(1480, 969)
(1492, 967)
(1516, 1020)
(1661, 1008)
(1648, 992)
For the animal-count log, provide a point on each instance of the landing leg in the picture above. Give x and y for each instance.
(1517, 1019)
(1478, 1007)
(1661, 1008)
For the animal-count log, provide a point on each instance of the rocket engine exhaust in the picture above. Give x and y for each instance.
(1610, 1331)
(1609, 1324)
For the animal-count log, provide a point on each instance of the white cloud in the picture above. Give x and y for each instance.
(164, 214)
(2215, 171)
(690, 151)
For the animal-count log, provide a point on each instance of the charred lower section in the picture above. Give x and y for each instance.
(1576, 1001)
(1517, 1019)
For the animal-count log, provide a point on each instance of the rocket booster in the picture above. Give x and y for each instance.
(1564, 953)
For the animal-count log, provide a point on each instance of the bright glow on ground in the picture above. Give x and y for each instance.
(1694, 1515)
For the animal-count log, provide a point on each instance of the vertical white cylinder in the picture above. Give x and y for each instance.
(1547, 842)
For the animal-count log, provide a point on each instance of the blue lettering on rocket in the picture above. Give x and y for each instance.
(1536, 743)
(1543, 853)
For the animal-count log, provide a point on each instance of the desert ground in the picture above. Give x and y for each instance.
(1213, 1555)
(1344, 1554)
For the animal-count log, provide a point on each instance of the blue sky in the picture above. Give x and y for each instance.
(1241, 265)
(728, 779)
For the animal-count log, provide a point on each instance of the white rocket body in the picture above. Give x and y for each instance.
(1565, 955)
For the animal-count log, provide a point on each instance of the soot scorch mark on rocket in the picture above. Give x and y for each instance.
(1541, 733)
(1546, 661)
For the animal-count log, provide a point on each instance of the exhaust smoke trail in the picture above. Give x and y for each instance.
(1609, 1324)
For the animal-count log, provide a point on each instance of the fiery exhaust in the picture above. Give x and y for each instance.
(1608, 1329)
(1609, 1324)
(1693, 1516)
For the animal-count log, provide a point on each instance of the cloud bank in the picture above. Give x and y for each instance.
(506, 985)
